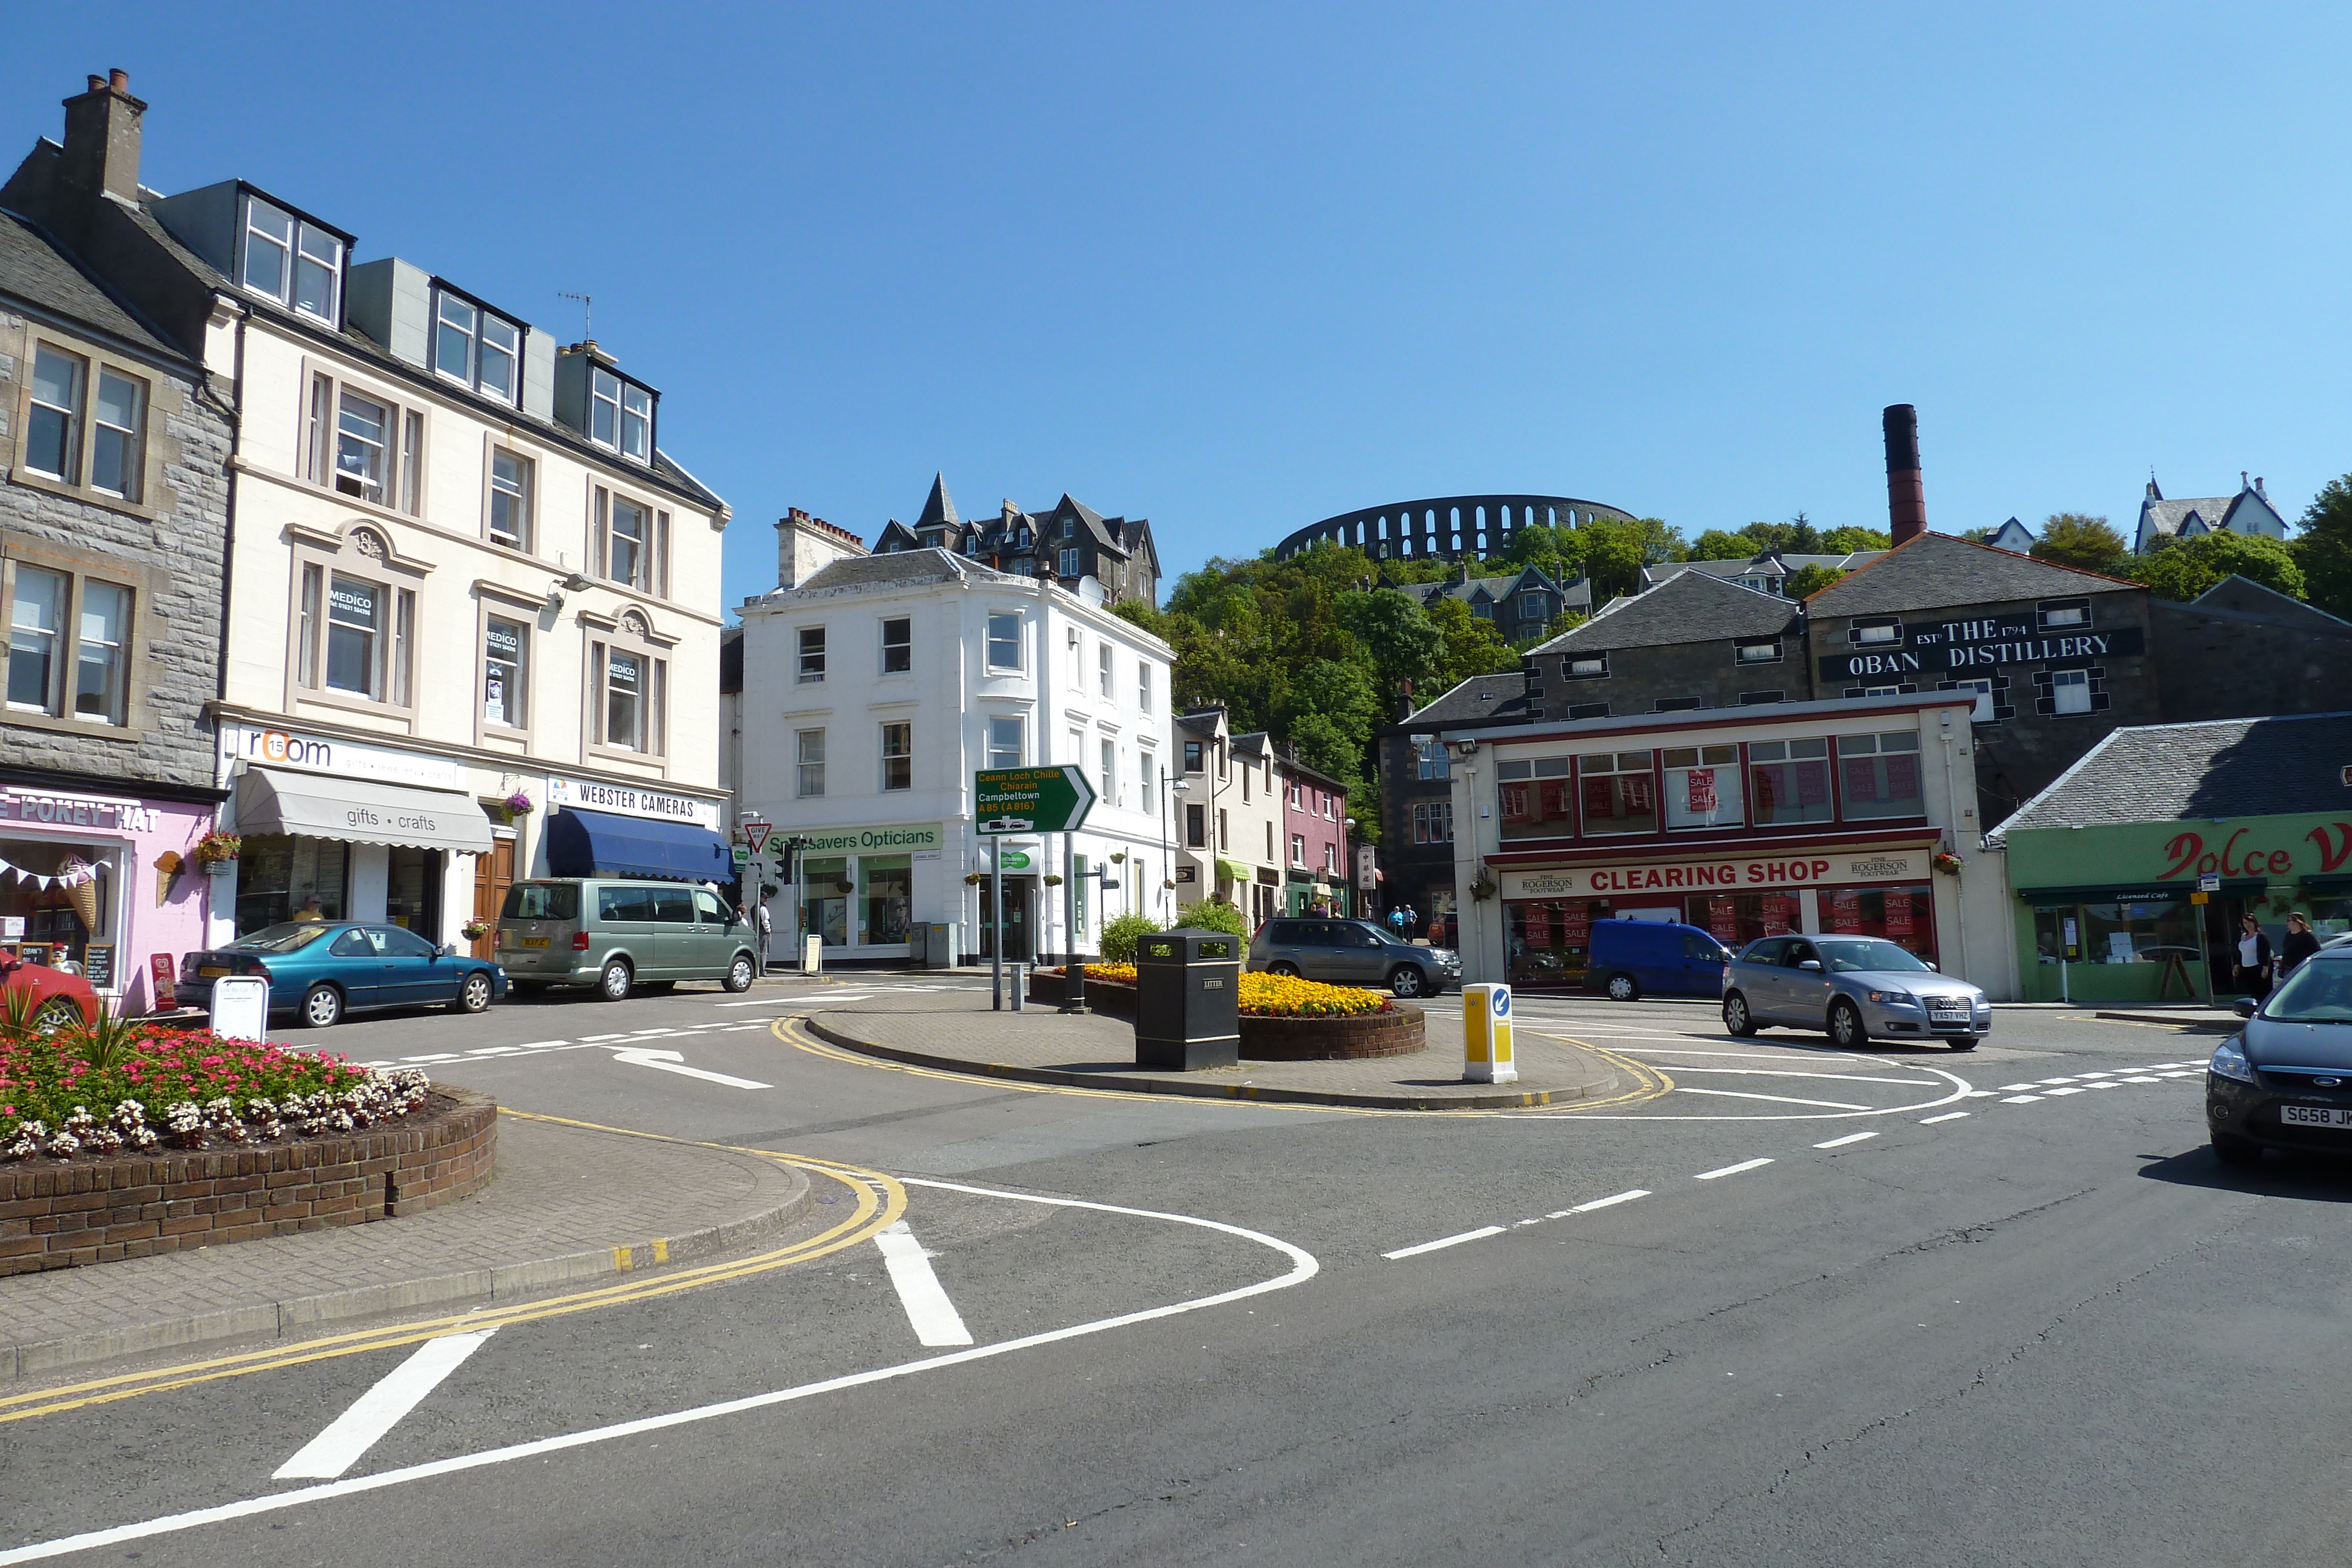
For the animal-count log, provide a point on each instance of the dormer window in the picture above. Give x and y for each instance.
(621, 416)
(476, 349)
(293, 261)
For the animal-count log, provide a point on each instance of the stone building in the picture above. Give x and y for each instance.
(113, 519)
(1695, 640)
(1521, 605)
(1070, 543)
(2249, 512)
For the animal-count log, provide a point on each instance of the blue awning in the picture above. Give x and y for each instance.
(598, 843)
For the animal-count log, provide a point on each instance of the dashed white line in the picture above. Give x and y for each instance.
(928, 1308)
(1606, 1202)
(2021, 1100)
(1731, 1170)
(2068, 1090)
(380, 1409)
(1947, 1116)
(1849, 1138)
(1478, 1234)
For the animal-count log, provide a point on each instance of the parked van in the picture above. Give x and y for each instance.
(621, 933)
(1630, 959)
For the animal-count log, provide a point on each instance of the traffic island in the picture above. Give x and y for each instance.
(1096, 1052)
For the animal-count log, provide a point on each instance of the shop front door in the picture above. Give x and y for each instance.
(1020, 920)
(493, 875)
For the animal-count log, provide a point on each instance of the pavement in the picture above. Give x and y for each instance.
(567, 1204)
(1040, 1045)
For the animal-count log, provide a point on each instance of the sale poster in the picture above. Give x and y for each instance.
(1898, 915)
(1702, 791)
(1845, 911)
(1779, 914)
(1722, 919)
(1576, 927)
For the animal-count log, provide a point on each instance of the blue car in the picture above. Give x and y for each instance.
(322, 969)
(1630, 959)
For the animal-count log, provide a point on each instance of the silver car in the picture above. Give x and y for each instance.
(1858, 988)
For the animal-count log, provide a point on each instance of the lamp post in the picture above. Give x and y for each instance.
(1178, 788)
(1347, 865)
(1466, 753)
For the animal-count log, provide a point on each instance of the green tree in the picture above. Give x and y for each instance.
(1472, 645)
(2073, 538)
(1796, 536)
(2323, 549)
(1717, 545)
(2187, 568)
(1396, 633)
(1808, 580)
(1213, 914)
(1849, 540)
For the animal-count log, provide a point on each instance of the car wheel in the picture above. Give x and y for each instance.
(1289, 971)
(1735, 1016)
(1621, 989)
(1406, 980)
(322, 1006)
(614, 985)
(1965, 1043)
(741, 973)
(2232, 1150)
(56, 1013)
(474, 996)
(1845, 1026)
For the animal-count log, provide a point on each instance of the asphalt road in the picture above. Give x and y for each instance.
(1909, 1308)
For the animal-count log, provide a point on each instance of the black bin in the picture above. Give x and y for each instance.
(1188, 1000)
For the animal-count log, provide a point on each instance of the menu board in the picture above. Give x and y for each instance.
(97, 966)
(35, 953)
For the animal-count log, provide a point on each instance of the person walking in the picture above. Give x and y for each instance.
(767, 936)
(2253, 969)
(2301, 943)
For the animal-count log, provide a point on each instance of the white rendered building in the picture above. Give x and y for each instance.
(874, 686)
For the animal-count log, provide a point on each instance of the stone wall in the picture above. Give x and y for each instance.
(59, 1214)
(2214, 662)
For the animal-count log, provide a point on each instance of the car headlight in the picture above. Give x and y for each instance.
(1895, 998)
(2230, 1061)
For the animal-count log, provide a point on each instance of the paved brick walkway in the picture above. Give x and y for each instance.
(1040, 1045)
(554, 1213)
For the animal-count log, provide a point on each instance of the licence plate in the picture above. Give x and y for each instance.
(2315, 1116)
(1947, 1017)
(534, 941)
(210, 971)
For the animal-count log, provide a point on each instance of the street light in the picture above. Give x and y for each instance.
(1347, 844)
(1166, 786)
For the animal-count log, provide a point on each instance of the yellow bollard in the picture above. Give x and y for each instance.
(1488, 1056)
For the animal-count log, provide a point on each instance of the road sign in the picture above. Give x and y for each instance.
(1032, 799)
(755, 834)
(742, 854)
(2208, 883)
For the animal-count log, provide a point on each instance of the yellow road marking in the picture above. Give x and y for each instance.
(880, 1201)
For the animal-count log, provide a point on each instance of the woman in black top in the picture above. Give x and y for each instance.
(2300, 943)
(2253, 964)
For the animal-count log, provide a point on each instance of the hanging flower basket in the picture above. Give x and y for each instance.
(1053, 878)
(974, 878)
(519, 804)
(845, 886)
(474, 930)
(1948, 863)
(219, 848)
(1117, 856)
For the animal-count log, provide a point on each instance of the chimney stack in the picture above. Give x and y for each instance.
(102, 151)
(806, 546)
(1906, 496)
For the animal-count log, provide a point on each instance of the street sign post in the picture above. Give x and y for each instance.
(755, 834)
(1032, 799)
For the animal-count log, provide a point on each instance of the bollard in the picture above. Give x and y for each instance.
(1488, 1056)
(1020, 986)
(813, 955)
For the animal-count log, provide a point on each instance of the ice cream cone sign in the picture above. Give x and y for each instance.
(81, 886)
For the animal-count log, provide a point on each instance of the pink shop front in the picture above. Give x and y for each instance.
(102, 882)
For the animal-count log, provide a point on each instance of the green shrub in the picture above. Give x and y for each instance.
(1120, 934)
(1213, 914)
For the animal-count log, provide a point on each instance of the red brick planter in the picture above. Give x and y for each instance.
(56, 1214)
(1398, 1033)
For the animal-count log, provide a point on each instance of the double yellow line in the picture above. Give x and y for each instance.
(879, 1201)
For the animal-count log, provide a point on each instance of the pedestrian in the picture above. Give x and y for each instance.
(311, 910)
(2300, 943)
(766, 935)
(2254, 973)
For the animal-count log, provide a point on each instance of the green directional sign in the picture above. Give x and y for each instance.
(1032, 799)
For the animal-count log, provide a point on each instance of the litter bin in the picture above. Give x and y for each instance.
(1188, 1000)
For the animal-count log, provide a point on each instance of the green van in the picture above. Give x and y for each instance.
(622, 933)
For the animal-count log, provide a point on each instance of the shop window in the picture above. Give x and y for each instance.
(57, 900)
(1547, 941)
(1619, 793)
(1703, 787)
(889, 885)
(1735, 918)
(824, 899)
(277, 874)
(412, 897)
(1789, 781)
(2129, 931)
(1904, 915)
(1879, 774)
(1537, 797)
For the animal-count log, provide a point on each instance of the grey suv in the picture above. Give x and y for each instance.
(621, 933)
(1352, 953)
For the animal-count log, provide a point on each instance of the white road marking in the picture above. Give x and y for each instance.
(2065, 1091)
(2103, 1086)
(1445, 1241)
(1947, 1116)
(1606, 1202)
(1303, 1267)
(1775, 1099)
(2021, 1100)
(798, 1001)
(2018, 1088)
(1792, 1073)
(670, 1062)
(542, 1044)
(596, 1038)
(380, 1409)
(1849, 1138)
(2143, 1079)
(2067, 1080)
(444, 1056)
(928, 1308)
(1754, 1055)
(1731, 1170)
(1979, 1094)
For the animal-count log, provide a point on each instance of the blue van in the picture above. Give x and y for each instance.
(1630, 959)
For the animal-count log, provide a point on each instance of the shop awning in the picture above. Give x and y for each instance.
(598, 843)
(360, 811)
(1232, 871)
(2323, 882)
(2135, 892)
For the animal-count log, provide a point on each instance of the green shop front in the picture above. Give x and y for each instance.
(2149, 912)
(857, 887)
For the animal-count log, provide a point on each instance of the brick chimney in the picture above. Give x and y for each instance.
(102, 151)
(1906, 496)
(806, 546)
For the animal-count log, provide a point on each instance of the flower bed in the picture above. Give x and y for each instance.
(1288, 997)
(1283, 1019)
(137, 1088)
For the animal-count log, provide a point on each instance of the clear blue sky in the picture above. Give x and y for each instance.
(1238, 269)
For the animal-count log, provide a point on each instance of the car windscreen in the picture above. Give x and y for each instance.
(543, 901)
(286, 938)
(2314, 993)
(1844, 957)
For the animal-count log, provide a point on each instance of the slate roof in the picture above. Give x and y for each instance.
(1690, 607)
(2180, 772)
(1577, 595)
(891, 571)
(1935, 572)
(938, 507)
(2162, 519)
(1768, 564)
(36, 269)
(1476, 699)
(2236, 596)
